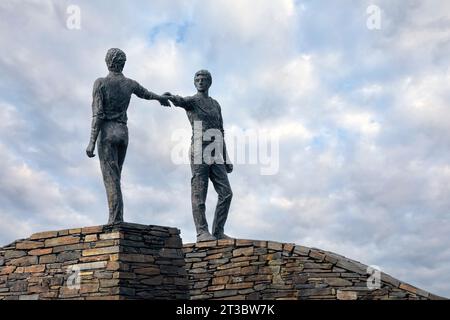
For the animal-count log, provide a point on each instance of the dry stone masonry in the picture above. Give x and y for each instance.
(131, 261)
(123, 261)
(254, 270)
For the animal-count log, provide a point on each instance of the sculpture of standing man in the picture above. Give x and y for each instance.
(111, 97)
(204, 114)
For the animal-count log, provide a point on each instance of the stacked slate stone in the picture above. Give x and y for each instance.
(253, 270)
(123, 261)
(152, 263)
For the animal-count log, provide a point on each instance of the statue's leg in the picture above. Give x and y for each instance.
(122, 151)
(199, 190)
(108, 153)
(219, 178)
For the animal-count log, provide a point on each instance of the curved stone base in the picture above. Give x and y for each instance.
(132, 261)
(253, 270)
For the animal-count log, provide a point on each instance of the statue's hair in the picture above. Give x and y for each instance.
(204, 73)
(115, 59)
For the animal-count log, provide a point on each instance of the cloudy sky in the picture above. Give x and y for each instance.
(361, 116)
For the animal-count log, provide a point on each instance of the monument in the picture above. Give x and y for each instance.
(126, 261)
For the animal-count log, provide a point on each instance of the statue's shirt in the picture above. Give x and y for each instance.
(206, 110)
(112, 94)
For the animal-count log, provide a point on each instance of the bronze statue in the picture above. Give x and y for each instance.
(111, 97)
(204, 114)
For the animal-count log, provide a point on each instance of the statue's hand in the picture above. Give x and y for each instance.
(164, 99)
(229, 167)
(90, 150)
(173, 98)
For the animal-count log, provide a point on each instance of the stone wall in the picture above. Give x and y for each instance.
(123, 261)
(253, 270)
(131, 261)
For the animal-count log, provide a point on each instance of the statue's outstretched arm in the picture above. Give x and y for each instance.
(143, 93)
(179, 101)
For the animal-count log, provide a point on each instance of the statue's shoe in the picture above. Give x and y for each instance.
(205, 236)
(223, 236)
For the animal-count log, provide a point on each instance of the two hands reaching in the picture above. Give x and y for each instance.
(165, 98)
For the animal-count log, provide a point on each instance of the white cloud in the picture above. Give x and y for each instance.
(11, 123)
(360, 121)
(423, 101)
(35, 197)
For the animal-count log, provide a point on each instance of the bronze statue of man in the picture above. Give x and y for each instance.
(111, 97)
(204, 114)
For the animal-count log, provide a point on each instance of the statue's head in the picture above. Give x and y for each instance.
(115, 59)
(202, 80)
